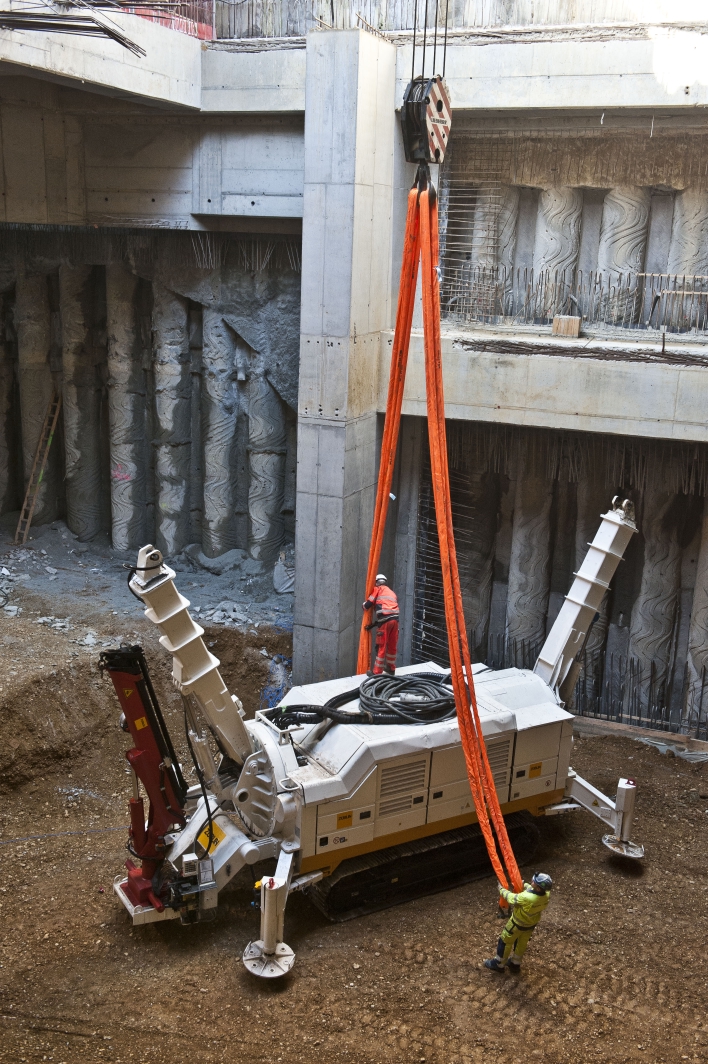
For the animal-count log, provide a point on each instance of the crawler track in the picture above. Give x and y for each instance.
(389, 877)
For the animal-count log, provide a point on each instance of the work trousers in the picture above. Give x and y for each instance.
(513, 942)
(386, 646)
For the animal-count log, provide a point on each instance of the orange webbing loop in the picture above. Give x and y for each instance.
(396, 381)
(421, 240)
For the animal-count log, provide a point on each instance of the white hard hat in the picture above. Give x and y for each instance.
(381, 577)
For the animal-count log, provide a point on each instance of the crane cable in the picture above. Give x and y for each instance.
(421, 245)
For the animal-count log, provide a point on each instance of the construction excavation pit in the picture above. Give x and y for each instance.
(353, 532)
(608, 977)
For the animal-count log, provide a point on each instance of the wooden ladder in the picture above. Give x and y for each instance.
(40, 460)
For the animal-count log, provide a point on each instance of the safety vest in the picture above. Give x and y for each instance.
(527, 905)
(385, 602)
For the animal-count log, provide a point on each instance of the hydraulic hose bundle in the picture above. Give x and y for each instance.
(421, 244)
(425, 698)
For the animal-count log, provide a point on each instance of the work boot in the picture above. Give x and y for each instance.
(389, 672)
(513, 967)
(494, 965)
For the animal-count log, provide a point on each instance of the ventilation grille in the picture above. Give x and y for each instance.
(498, 755)
(403, 779)
(394, 806)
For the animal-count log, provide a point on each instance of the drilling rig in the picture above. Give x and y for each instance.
(355, 787)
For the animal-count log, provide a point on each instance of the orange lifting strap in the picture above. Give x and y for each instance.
(421, 243)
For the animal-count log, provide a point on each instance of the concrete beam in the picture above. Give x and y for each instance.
(237, 78)
(655, 67)
(556, 387)
(170, 72)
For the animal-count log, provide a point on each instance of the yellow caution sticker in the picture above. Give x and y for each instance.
(218, 835)
(141, 723)
(535, 770)
(127, 691)
(344, 820)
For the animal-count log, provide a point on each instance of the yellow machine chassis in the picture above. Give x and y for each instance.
(535, 805)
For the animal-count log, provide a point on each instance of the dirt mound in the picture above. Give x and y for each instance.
(244, 665)
(56, 709)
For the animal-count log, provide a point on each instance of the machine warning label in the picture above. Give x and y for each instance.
(535, 770)
(344, 820)
(127, 691)
(218, 834)
(141, 723)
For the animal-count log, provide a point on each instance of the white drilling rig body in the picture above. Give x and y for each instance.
(340, 801)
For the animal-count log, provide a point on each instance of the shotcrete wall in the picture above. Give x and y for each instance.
(526, 503)
(178, 375)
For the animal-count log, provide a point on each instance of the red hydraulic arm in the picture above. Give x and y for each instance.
(155, 764)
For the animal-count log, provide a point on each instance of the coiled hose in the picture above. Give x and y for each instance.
(421, 698)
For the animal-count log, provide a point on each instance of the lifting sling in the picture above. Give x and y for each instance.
(421, 245)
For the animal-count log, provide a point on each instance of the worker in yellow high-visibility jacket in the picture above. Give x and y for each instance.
(526, 910)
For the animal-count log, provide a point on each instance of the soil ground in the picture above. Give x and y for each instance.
(615, 973)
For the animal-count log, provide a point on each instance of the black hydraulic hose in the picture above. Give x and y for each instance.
(420, 698)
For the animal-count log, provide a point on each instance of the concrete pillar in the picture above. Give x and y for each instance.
(688, 251)
(173, 397)
(593, 500)
(654, 612)
(266, 461)
(529, 564)
(7, 384)
(557, 244)
(33, 325)
(698, 634)
(346, 257)
(82, 404)
(219, 413)
(476, 499)
(623, 241)
(623, 232)
(126, 411)
(409, 468)
(506, 245)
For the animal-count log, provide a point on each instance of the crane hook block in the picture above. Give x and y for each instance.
(426, 117)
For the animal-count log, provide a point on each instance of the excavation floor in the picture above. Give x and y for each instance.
(615, 973)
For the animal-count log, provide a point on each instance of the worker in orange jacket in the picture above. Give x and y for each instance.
(383, 599)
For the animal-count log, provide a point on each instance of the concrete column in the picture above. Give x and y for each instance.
(593, 500)
(688, 251)
(173, 396)
(529, 564)
(476, 499)
(219, 413)
(623, 232)
(266, 461)
(126, 411)
(654, 611)
(409, 466)
(82, 404)
(698, 633)
(33, 325)
(346, 258)
(557, 244)
(7, 382)
(506, 246)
